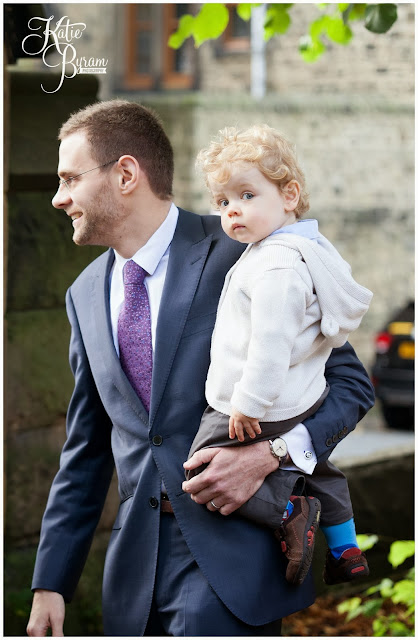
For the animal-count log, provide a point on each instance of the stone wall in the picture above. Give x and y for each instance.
(358, 157)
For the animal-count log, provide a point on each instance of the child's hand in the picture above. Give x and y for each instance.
(238, 422)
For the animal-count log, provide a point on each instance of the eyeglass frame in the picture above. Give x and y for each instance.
(61, 181)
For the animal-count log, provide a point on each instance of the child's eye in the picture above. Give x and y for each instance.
(247, 195)
(223, 202)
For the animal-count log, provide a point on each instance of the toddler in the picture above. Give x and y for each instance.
(286, 303)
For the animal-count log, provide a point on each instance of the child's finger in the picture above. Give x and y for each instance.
(239, 431)
(231, 428)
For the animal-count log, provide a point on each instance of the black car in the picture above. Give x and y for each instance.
(393, 370)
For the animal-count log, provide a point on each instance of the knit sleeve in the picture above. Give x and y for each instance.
(279, 300)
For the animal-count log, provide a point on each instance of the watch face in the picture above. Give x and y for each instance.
(279, 447)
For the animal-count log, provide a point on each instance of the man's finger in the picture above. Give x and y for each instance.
(203, 456)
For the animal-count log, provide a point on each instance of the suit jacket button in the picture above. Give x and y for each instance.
(345, 431)
(328, 442)
(153, 502)
(335, 438)
(157, 440)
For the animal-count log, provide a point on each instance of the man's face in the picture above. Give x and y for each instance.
(89, 201)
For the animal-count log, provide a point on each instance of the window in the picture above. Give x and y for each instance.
(237, 34)
(151, 63)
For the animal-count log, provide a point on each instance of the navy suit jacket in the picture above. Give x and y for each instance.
(107, 425)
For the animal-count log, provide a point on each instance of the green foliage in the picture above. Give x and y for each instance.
(366, 542)
(400, 592)
(380, 17)
(210, 22)
(331, 25)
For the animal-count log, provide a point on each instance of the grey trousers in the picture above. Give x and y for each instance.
(327, 483)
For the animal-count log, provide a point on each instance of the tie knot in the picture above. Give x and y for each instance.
(133, 273)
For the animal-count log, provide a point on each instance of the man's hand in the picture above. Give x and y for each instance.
(238, 423)
(48, 612)
(232, 477)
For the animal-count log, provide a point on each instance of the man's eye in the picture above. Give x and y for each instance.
(247, 196)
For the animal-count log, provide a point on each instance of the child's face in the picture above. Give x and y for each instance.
(251, 206)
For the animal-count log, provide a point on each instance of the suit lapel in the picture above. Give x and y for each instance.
(100, 310)
(188, 252)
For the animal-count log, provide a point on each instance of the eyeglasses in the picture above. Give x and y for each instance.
(69, 181)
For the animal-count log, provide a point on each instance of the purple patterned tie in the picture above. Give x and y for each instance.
(134, 332)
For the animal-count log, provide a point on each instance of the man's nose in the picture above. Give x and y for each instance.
(62, 197)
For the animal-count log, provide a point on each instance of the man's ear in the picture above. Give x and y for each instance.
(130, 174)
(291, 195)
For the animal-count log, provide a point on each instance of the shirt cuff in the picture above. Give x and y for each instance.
(300, 449)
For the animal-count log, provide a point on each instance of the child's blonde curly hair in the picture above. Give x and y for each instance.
(260, 145)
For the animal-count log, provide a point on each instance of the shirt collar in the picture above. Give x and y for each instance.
(149, 256)
(306, 228)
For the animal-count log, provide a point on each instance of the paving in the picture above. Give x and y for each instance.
(371, 442)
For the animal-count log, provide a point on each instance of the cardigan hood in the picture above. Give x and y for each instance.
(342, 300)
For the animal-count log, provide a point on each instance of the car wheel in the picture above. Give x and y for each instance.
(399, 417)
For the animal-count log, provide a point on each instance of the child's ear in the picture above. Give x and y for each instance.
(291, 195)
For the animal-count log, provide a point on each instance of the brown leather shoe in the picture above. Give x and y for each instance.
(351, 565)
(297, 536)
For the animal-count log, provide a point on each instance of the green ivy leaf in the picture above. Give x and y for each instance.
(277, 20)
(184, 30)
(343, 6)
(400, 551)
(371, 607)
(357, 11)
(380, 17)
(352, 607)
(337, 31)
(244, 10)
(404, 592)
(365, 541)
(379, 627)
(311, 50)
(210, 22)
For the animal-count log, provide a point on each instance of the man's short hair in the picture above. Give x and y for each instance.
(263, 147)
(118, 127)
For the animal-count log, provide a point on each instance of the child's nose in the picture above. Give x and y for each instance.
(234, 208)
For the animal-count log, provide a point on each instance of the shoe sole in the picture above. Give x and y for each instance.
(312, 525)
(355, 572)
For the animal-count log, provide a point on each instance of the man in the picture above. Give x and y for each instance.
(173, 565)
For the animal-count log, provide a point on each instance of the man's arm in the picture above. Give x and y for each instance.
(236, 473)
(78, 492)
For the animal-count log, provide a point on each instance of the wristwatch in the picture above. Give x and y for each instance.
(278, 448)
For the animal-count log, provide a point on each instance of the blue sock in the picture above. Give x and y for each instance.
(288, 511)
(340, 537)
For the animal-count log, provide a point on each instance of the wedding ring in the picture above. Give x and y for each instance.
(214, 505)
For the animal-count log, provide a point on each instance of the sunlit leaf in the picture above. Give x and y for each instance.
(337, 31)
(400, 551)
(404, 592)
(183, 32)
(380, 17)
(277, 20)
(210, 22)
(311, 50)
(350, 605)
(371, 607)
(244, 10)
(365, 541)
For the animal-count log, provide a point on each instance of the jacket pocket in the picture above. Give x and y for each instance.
(124, 509)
